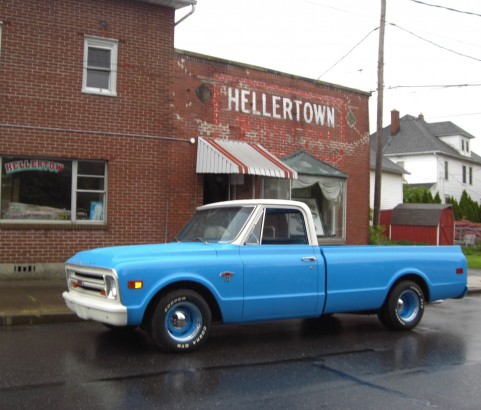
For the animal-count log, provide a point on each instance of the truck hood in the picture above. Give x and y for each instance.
(114, 257)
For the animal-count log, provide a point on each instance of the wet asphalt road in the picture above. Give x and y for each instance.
(347, 362)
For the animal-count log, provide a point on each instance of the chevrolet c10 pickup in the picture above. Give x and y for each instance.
(255, 260)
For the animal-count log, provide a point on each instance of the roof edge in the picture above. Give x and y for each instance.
(221, 60)
(173, 4)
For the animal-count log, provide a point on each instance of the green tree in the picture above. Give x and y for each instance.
(469, 209)
(417, 195)
(456, 210)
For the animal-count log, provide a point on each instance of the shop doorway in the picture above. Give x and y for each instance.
(216, 188)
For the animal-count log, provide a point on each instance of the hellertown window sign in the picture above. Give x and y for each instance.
(33, 165)
(248, 101)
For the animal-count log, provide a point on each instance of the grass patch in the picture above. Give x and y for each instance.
(474, 261)
(473, 256)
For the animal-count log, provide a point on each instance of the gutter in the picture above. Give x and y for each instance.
(186, 16)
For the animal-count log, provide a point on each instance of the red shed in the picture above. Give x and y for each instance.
(432, 224)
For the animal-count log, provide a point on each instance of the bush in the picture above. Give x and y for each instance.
(376, 236)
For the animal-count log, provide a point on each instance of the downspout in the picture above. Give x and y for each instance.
(186, 16)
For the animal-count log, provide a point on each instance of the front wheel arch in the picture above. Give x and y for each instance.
(181, 321)
(196, 287)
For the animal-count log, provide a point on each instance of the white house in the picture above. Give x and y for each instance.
(437, 156)
(391, 182)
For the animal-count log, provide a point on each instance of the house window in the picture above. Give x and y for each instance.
(462, 145)
(467, 146)
(100, 66)
(58, 191)
(470, 175)
(446, 170)
(464, 174)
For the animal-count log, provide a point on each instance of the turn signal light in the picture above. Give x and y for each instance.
(135, 284)
(459, 271)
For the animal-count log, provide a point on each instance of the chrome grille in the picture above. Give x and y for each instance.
(93, 281)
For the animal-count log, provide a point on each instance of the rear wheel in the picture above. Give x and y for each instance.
(404, 307)
(181, 321)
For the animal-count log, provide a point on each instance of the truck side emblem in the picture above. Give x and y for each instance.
(227, 276)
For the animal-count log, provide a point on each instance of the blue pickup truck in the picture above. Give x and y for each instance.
(255, 260)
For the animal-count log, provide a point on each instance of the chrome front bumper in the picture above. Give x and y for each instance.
(89, 308)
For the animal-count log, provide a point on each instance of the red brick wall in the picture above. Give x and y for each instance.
(45, 115)
(345, 145)
(144, 132)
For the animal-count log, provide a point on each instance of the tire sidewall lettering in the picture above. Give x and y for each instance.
(197, 340)
(174, 302)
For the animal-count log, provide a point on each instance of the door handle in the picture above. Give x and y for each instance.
(309, 259)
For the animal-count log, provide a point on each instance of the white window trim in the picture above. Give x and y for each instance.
(1, 27)
(108, 44)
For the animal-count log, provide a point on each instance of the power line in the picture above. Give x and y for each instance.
(446, 8)
(434, 86)
(433, 43)
(349, 52)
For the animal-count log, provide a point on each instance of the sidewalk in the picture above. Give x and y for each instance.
(24, 302)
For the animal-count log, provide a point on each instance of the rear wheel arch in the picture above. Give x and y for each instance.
(417, 280)
(403, 308)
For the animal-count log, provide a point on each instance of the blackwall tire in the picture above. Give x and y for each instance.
(404, 307)
(181, 321)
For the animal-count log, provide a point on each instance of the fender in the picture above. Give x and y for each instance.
(414, 274)
(230, 308)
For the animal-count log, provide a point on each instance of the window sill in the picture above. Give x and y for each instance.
(93, 91)
(49, 226)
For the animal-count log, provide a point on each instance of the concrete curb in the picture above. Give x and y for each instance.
(36, 318)
(62, 316)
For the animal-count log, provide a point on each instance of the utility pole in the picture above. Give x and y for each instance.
(380, 96)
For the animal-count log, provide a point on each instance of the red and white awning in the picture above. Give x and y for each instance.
(218, 156)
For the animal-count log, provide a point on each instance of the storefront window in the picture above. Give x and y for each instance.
(276, 188)
(325, 199)
(324, 196)
(38, 189)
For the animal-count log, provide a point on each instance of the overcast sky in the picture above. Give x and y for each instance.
(432, 62)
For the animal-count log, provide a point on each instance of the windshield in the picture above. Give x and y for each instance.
(215, 225)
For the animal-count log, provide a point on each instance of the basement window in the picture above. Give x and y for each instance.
(53, 190)
(100, 66)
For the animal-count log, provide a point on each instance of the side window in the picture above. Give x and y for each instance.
(100, 66)
(283, 227)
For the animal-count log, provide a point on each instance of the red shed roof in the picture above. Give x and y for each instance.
(418, 214)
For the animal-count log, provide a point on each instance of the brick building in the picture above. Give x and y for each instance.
(109, 136)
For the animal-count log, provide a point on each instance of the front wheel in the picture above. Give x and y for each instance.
(404, 307)
(181, 321)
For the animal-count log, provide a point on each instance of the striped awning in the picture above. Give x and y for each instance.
(218, 156)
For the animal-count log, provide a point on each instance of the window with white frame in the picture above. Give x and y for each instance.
(53, 190)
(464, 174)
(100, 66)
